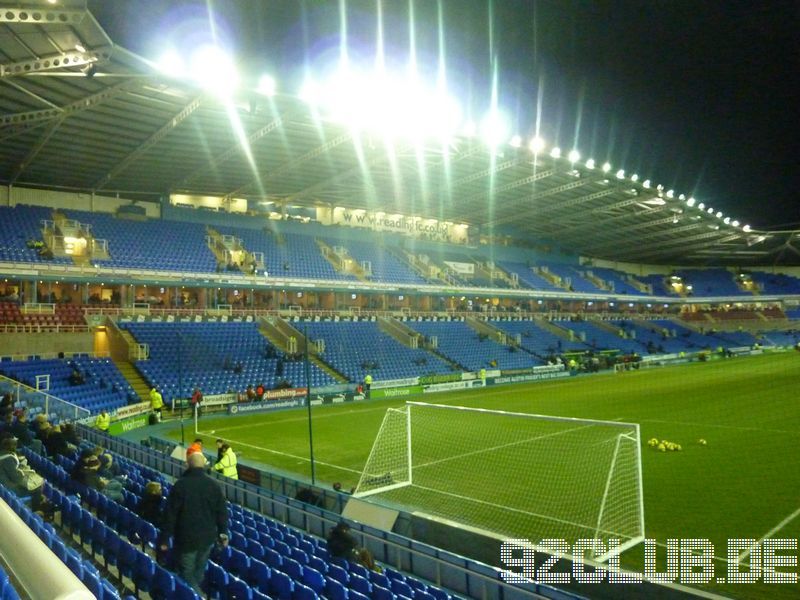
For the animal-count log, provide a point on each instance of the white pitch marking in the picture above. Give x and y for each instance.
(770, 533)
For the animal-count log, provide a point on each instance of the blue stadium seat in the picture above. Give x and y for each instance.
(314, 579)
(381, 593)
(339, 574)
(335, 590)
(216, 580)
(303, 592)
(237, 589)
(163, 584)
(292, 568)
(359, 584)
(259, 575)
(281, 586)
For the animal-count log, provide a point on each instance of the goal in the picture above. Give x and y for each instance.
(511, 475)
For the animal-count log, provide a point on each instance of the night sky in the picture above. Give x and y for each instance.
(699, 95)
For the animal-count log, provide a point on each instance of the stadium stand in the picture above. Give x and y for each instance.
(537, 340)
(150, 245)
(64, 314)
(287, 254)
(597, 338)
(19, 225)
(386, 268)
(355, 348)
(527, 277)
(618, 281)
(184, 356)
(103, 387)
(459, 343)
(572, 278)
(776, 283)
(712, 282)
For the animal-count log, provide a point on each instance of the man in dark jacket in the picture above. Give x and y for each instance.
(196, 515)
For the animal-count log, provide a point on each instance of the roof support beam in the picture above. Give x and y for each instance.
(37, 147)
(538, 211)
(149, 143)
(617, 236)
(665, 248)
(51, 62)
(230, 152)
(42, 15)
(592, 222)
(292, 164)
(38, 116)
(343, 176)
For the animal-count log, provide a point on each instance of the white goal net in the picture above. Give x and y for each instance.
(511, 475)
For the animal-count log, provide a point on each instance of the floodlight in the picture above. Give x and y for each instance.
(646, 184)
(606, 167)
(682, 197)
(310, 92)
(214, 70)
(621, 174)
(574, 156)
(727, 220)
(590, 163)
(266, 85)
(79, 47)
(690, 202)
(516, 141)
(746, 228)
(634, 177)
(555, 152)
(670, 193)
(170, 63)
(470, 129)
(735, 223)
(710, 210)
(719, 214)
(660, 187)
(701, 206)
(494, 128)
(536, 145)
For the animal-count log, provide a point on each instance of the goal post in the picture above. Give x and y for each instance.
(389, 464)
(511, 475)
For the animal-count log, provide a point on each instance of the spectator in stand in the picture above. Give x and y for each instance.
(149, 507)
(108, 469)
(6, 405)
(22, 431)
(341, 544)
(197, 402)
(86, 472)
(250, 393)
(156, 403)
(75, 378)
(103, 421)
(17, 476)
(220, 452)
(71, 434)
(40, 427)
(196, 516)
(260, 389)
(227, 464)
(56, 444)
(196, 446)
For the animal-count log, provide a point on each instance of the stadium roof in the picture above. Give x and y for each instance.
(79, 113)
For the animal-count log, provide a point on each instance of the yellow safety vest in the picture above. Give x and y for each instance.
(103, 423)
(156, 400)
(368, 379)
(227, 465)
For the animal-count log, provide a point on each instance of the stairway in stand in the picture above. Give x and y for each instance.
(133, 377)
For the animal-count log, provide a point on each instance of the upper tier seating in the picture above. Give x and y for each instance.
(527, 278)
(658, 281)
(288, 254)
(151, 245)
(386, 267)
(776, 283)
(21, 223)
(184, 356)
(617, 280)
(462, 344)
(577, 282)
(793, 313)
(104, 387)
(351, 347)
(712, 282)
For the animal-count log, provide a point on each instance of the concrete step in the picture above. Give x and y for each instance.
(132, 375)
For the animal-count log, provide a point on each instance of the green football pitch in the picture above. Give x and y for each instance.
(744, 483)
